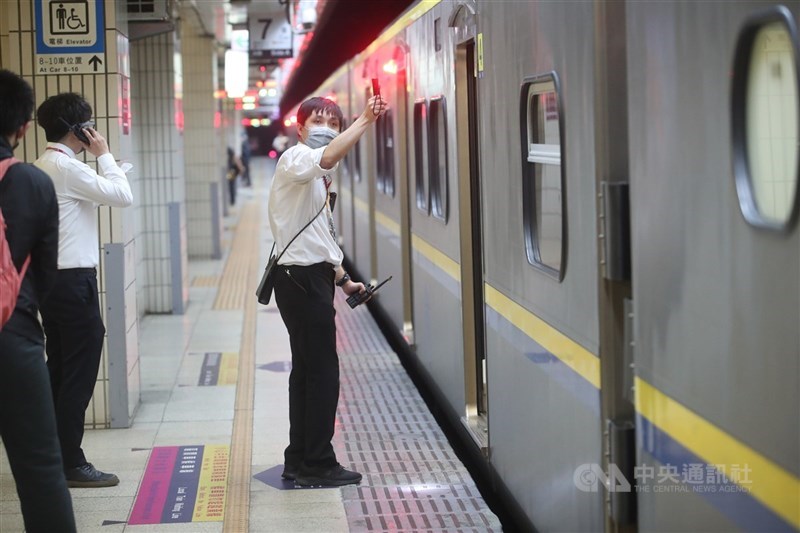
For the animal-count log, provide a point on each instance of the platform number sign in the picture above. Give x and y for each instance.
(70, 37)
(270, 36)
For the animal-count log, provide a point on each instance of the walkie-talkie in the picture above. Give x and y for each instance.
(360, 297)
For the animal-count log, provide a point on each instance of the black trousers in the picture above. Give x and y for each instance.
(75, 331)
(304, 295)
(28, 430)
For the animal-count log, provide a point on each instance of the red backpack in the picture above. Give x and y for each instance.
(10, 279)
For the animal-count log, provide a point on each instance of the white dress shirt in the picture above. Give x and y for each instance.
(80, 190)
(298, 192)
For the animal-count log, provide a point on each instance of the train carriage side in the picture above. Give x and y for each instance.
(435, 251)
(362, 194)
(542, 335)
(388, 64)
(337, 88)
(714, 167)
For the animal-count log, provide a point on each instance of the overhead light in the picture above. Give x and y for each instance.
(390, 67)
(236, 73)
(306, 14)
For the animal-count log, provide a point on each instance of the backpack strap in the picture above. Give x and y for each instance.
(5, 164)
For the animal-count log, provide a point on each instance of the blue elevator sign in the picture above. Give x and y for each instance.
(70, 36)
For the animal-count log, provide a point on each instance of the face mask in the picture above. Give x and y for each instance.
(319, 136)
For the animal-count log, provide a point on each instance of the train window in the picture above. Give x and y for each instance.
(388, 153)
(437, 158)
(356, 157)
(765, 120)
(379, 128)
(421, 154)
(542, 173)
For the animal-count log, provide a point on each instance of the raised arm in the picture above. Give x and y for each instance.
(343, 142)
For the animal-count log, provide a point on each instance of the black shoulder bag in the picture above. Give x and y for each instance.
(264, 290)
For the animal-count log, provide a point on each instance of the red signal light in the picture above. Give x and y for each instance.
(273, 154)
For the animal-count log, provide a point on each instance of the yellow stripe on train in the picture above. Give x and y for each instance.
(768, 483)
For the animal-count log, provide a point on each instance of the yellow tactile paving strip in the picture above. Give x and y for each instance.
(236, 292)
(205, 281)
(237, 285)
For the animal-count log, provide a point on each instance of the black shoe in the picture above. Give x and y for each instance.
(326, 477)
(87, 476)
(289, 472)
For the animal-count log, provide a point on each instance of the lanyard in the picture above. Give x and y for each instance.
(53, 148)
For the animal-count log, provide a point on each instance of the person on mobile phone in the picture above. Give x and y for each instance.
(305, 280)
(71, 313)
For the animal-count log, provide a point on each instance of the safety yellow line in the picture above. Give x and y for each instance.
(205, 281)
(775, 487)
(237, 503)
(236, 284)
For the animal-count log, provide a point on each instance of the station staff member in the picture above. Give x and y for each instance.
(71, 314)
(304, 285)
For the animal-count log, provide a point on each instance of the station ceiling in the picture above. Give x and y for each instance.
(344, 28)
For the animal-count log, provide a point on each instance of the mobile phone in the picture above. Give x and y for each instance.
(77, 129)
(376, 87)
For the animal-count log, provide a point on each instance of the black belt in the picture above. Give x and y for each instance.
(315, 266)
(86, 270)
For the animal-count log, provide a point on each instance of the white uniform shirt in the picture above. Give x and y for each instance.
(297, 193)
(80, 190)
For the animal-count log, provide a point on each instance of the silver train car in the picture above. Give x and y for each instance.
(590, 213)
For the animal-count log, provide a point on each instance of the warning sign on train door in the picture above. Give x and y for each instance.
(70, 37)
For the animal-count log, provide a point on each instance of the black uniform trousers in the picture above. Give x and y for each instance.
(304, 295)
(75, 331)
(28, 430)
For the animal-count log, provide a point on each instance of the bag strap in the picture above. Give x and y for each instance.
(5, 164)
(298, 233)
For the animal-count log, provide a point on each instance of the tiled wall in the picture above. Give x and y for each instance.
(203, 165)
(158, 148)
(105, 92)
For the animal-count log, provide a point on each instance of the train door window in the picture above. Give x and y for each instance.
(356, 151)
(347, 161)
(387, 150)
(543, 173)
(421, 154)
(765, 120)
(379, 142)
(437, 158)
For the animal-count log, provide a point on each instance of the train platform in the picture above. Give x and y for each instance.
(205, 450)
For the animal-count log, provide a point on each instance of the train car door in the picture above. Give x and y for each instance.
(614, 277)
(715, 258)
(469, 199)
